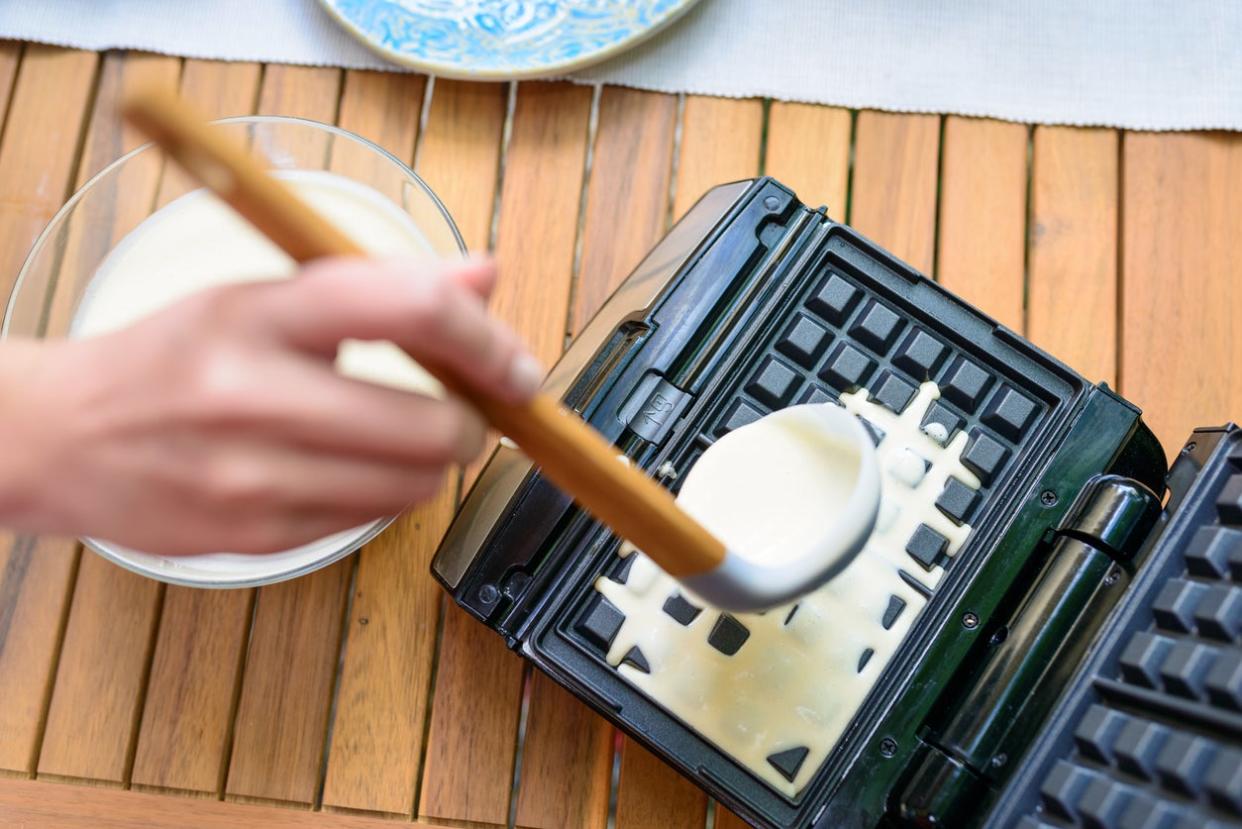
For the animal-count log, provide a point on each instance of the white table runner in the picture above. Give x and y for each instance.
(1140, 64)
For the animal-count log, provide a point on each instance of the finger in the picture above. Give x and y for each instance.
(304, 403)
(479, 277)
(422, 308)
(249, 479)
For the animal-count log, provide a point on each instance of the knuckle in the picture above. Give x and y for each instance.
(219, 304)
(429, 300)
(221, 383)
(239, 482)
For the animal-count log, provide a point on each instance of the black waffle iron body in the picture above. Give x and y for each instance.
(1080, 659)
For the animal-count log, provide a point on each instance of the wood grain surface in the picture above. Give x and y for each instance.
(383, 108)
(626, 214)
(706, 157)
(25, 804)
(377, 732)
(982, 241)
(808, 149)
(185, 736)
(459, 156)
(626, 211)
(1072, 290)
(1181, 355)
(93, 717)
(36, 578)
(385, 681)
(650, 795)
(535, 244)
(726, 819)
(37, 167)
(894, 191)
(282, 716)
(565, 762)
(468, 769)
(287, 683)
(10, 56)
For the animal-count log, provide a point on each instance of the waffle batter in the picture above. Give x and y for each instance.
(775, 691)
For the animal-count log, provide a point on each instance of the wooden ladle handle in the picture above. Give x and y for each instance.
(569, 452)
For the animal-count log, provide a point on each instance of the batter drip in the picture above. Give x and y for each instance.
(775, 691)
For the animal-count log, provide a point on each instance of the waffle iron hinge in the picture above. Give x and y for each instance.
(999, 708)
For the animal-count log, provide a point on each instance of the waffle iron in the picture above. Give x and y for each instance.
(1080, 661)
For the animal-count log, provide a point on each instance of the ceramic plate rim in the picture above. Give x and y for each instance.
(457, 72)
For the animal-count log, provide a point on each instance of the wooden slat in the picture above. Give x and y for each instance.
(1072, 281)
(377, 737)
(287, 682)
(126, 197)
(37, 160)
(539, 213)
(662, 799)
(460, 153)
(535, 250)
(108, 138)
(720, 140)
(382, 107)
(98, 688)
(303, 92)
(625, 216)
(35, 576)
(983, 215)
(627, 197)
(283, 711)
(566, 761)
(187, 718)
(10, 56)
(29, 803)
(36, 171)
(93, 715)
(894, 197)
(468, 770)
(218, 90)
(726, 819)
(808, 149)
(1181, 353)
(377, 734)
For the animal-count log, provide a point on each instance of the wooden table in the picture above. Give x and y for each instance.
(357, 694)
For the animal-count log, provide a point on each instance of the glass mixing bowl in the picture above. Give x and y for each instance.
(56, 274)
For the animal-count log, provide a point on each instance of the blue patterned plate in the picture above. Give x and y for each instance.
(502, 39)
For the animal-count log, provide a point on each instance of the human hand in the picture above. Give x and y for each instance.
(220, 424)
